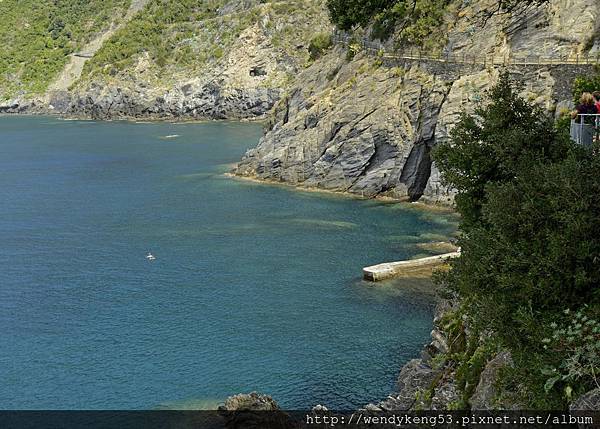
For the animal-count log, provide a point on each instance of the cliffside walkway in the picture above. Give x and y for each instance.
(417, 55)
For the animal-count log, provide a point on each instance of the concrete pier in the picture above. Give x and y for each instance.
(407, 268)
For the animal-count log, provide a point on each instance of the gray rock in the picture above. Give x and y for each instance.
(353, 127)
(319, 408)
(439, 343)
(415, 377)
(248, 411)
(252, 401)
(589, 401)
(346, 129)
(189, 101)
(485, 395)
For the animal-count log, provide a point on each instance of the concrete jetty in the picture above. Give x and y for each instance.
(407, 268)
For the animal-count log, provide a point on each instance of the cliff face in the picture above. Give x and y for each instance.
(353, 126)
(367, 126)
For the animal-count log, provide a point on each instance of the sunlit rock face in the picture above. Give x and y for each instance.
(368, 128)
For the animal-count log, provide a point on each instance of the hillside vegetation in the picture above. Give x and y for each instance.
(175, 41)
(180, 39)
(38, 35)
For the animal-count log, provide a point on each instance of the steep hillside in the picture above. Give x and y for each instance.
(38, 36)
(364, 123)
(188, 59)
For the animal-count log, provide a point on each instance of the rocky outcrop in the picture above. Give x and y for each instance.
(248, 411)
(245, 84)
(415, 378)
(486, 395)
(367, 126)
(422, 385)
(233, 61)
(589, 401)
(192, 100)
(353, 127)
(367, 129)
(249, 402)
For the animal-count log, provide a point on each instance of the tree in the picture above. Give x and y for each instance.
(493, 144)
(530, 215)
(347, 14)
(387, 14)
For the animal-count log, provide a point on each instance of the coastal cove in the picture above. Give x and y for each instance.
(255, 287)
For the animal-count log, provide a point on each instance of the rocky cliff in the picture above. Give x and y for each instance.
(367, 125)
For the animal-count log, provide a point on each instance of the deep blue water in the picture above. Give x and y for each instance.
(255, 287)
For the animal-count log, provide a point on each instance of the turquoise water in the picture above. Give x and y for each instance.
(255, 287)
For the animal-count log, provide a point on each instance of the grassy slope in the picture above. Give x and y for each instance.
(38, 35)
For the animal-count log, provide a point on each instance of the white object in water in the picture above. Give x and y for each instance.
(172, 136)
(150, 257)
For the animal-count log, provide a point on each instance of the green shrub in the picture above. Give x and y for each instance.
(347, 14)
(319, 44)
(578, 343)
(353, 49)
(586, 84)
(530, 215)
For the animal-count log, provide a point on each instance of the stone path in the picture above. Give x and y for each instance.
(416, 55)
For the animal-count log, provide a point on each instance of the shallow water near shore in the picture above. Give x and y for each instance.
(254, 287)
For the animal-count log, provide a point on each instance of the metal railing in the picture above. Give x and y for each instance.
(585, 129)
(374, 47)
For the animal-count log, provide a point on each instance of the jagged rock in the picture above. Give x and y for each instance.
(353, 127)
(190, 100)
(439, 343)
(415, 377)
(444, 394)
(372, 407)
(250, 402)
(249, 411)
(241, 78)
(561, 29)
(589, 401)
(485, 395)
(319, 408)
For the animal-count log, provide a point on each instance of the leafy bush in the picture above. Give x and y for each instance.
(417, 19)
(490, 146)
(586, 84)
(530, 215)
(353, 49)
(578, 341)
(319, 44)
(347, 14)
